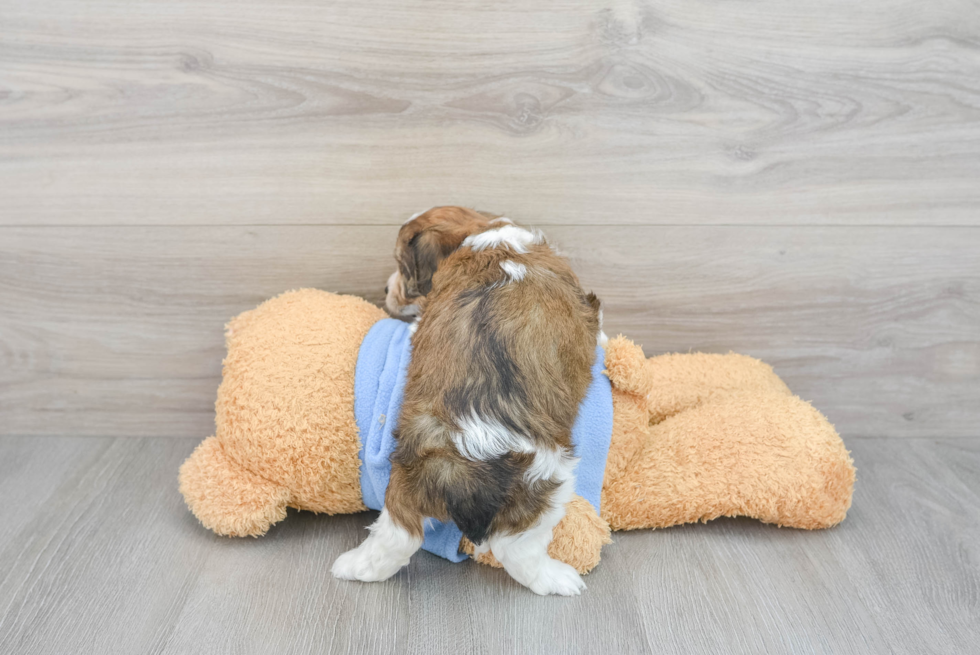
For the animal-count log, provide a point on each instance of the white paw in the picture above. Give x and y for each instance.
(365, 564)
(557, 578)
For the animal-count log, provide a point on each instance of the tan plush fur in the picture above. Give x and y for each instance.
(726, 437)
(286, 434)
(695, 436)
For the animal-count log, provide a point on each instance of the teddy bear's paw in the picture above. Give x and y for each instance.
(557, 578)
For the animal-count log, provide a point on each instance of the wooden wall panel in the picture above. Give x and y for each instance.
(118, 330)
(794, 181)
(680, 112)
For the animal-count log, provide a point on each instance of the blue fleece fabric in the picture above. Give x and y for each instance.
(379, 382)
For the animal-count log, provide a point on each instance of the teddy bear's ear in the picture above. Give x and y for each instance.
(626, 367)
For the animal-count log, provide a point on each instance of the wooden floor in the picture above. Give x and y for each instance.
(99, 555)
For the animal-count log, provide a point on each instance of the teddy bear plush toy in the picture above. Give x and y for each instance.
(690, 437)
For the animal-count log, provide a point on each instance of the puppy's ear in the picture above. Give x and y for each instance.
(420, 252)
(425, 252)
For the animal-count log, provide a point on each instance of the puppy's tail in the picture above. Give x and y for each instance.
(476, 493)
(596, 306)
(593, 302)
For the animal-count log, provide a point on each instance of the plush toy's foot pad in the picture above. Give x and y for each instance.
(226, 498)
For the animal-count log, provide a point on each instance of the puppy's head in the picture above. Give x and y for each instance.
(424, 241)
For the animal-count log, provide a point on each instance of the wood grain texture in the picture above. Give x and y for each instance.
(569, 112)
(118, 331)
(99, 555)
(795, 181)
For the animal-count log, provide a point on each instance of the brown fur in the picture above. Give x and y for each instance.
(517, 353)
(422, 243)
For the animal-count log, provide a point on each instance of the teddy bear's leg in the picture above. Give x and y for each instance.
(648, 391)
(226, 498)
(768, 456)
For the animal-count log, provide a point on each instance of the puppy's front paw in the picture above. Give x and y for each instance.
(365, 564)
(557, 578)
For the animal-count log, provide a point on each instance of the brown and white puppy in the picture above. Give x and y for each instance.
(501, 360)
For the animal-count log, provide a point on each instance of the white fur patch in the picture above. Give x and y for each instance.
(509, 236)
(502, 219)
(602, 339)
(558, 465)
(525, 555)
(387, 549)
(480, 440)
(514, 271)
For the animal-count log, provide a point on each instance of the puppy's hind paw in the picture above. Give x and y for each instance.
(557, 578)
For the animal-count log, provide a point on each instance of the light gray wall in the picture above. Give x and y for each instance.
(794, 181)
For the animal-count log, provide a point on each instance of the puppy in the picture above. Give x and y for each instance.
(502, 357)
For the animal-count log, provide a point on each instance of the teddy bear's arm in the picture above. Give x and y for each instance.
(678, 382)
(672, 383)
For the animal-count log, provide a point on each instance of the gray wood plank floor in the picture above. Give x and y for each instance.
(99, 555)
